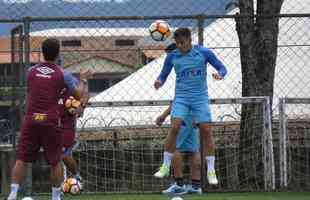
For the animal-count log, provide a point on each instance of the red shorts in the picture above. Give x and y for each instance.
(68, 137)
(36, 134)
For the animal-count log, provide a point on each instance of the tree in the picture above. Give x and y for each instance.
(258, 36)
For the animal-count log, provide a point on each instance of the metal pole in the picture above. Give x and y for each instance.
(264, 149)
(268, 125)
(27, 21)
(282, 144)
(200, 25)
(269, 173)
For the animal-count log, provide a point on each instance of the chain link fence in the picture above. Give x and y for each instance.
(294, 143)
(116, 47)
(119, 158)
(111, 38)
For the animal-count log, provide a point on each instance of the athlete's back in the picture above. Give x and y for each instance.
(45, 82)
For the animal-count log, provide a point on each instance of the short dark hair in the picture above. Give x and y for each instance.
(182, 32)
(170, 47)
(50, 49)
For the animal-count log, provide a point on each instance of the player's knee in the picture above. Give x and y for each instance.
(177, 153)
(197, 165)
(175, 126)
(206, 130)
(196, 161)
(177, 156)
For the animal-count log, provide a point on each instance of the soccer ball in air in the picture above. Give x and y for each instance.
(159, 30)
(71, 186)
(72, 104)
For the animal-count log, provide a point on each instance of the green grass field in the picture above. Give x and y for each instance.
(211, 196)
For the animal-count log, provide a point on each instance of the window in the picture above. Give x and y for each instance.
(2, 69)
(124, 42)
(71, 43)
(148, 60)
(99, 85)
(9, 70)
(114, 81)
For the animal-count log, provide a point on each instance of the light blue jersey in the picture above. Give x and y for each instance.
(187, 139)
(191, 91)
(70, 81)
(191, 72)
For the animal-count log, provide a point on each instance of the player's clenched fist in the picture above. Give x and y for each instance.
(216, 76)
(157, 84)
(85, 74)
(160, 120)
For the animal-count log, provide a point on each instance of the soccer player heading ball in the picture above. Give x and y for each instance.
(191, 96)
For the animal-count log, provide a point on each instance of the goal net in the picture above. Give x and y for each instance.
(120, 147)
(294, 137)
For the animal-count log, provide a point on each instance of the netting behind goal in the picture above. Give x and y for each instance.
(294, 140)
(120, 147)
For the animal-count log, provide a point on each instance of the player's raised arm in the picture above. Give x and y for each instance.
(76, 87)
(84, 101)
(161, 79)
(85, 97)
(216, 63)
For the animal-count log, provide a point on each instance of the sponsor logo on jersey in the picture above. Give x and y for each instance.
(44, 72)
(189, 73)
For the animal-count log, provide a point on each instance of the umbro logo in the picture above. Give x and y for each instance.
(45, 70)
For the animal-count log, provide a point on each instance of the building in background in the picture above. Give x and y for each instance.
(111, 53)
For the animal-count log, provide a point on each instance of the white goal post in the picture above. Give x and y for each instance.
(226, 107)
(294, 142)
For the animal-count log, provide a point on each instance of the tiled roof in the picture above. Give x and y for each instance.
(5, 57)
